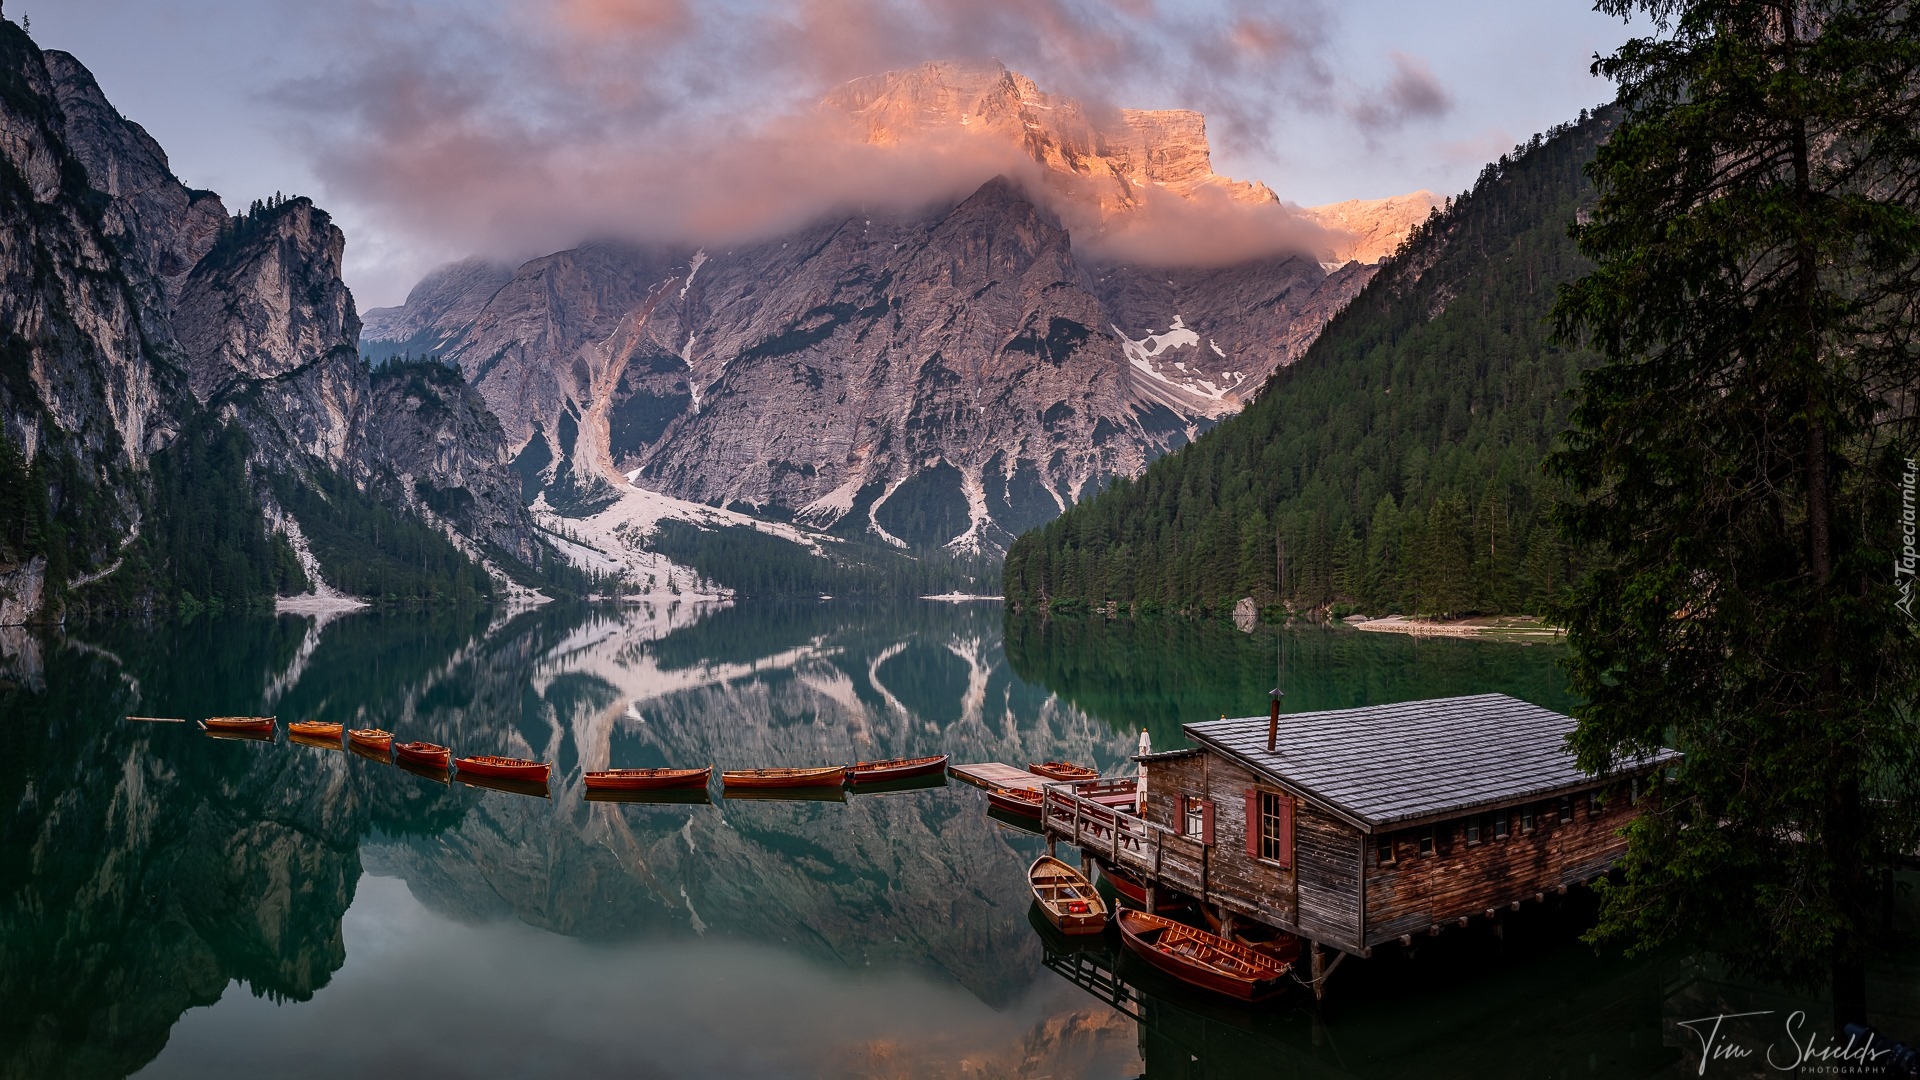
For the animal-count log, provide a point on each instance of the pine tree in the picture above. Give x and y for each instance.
(1734, 469)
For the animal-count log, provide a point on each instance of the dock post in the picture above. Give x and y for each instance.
(1153, 896)
(1319, 957)
(1050, 853)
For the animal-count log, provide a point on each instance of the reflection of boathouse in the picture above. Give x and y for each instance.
(1355, 827)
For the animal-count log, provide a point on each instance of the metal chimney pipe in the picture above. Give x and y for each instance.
(1273, 718)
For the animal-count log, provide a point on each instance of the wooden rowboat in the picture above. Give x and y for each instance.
(505, 768)
(1270, 940)
(647, 779)
(423, 754)
(1200, 959)
(372, 740)
(1134, 891)
(1068, 899)
(1013, 800)
(315, 729)
(878, 772)
(1063, 770)
(831, 776)
(238, 725)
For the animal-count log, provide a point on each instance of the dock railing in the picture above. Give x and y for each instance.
(1069, 810)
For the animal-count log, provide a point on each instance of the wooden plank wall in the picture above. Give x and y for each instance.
(1416, 891)
(1321, 898)
(1327, 853)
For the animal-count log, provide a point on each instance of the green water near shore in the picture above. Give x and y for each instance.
(176, 905)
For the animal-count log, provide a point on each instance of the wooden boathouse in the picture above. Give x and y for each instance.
(1356, 827)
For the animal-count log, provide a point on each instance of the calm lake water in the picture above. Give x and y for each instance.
(173, 905)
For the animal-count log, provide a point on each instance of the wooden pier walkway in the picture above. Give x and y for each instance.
(995, 774)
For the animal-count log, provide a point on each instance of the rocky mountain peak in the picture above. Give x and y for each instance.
(1112, 159)
(271, 333)
(1372, 229)
(448, 297)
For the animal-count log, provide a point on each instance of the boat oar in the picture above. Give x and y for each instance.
(158, 719)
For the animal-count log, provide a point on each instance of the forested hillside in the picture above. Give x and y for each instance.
(1396, 466)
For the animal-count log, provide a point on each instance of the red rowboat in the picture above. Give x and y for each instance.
(1200, 959)
(371, 739)
(506, 768)
(238, 725)
(1271, 940)
(1063, 770)
(1013, 800)
(878, 772)
(647, 779)
(1066, 898)
(315, 729)
(1134, 891)
(831, 776)
(425, 754)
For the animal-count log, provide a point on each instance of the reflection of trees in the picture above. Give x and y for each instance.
(143, 867)
(1160, 673)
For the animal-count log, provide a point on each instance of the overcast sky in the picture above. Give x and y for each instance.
(434, 129)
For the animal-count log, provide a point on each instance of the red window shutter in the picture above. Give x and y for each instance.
(1206, 822)
(1253, 824)
(1286, 832)
(1180, 812)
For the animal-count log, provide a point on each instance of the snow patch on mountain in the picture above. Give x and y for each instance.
(1143, 354)
(699, 259)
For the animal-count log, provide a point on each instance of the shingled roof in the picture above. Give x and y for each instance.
(1383, 765)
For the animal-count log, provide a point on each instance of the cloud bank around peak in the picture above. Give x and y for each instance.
(515, 129)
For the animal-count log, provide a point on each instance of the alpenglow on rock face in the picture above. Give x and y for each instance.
(948, 376)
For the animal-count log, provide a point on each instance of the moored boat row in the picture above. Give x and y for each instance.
(432, 757)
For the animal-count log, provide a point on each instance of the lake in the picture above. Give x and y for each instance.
(174, 905)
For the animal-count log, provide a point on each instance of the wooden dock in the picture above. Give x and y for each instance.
(996, 774)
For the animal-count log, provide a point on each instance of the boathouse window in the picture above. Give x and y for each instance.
(1473, 830)
(1426, 840)
(1385, 846)
(1273, 832)
(1526, 818)
(1633, 792)
(1566, 808)
(1196, 819)
(1499, 824)
(1593, 802)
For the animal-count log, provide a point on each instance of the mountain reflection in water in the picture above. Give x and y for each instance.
(186, 906)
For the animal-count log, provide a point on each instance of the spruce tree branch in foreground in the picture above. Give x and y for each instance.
(1736, 471)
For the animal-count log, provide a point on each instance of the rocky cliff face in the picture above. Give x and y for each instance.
(950, 376)
(448, 457)
(271, 338)
(133, 303)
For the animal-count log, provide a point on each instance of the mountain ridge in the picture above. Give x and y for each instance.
(140, 313)
(1396, 466)
(940, 377)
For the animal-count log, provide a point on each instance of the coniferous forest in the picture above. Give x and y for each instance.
(1393, 468)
